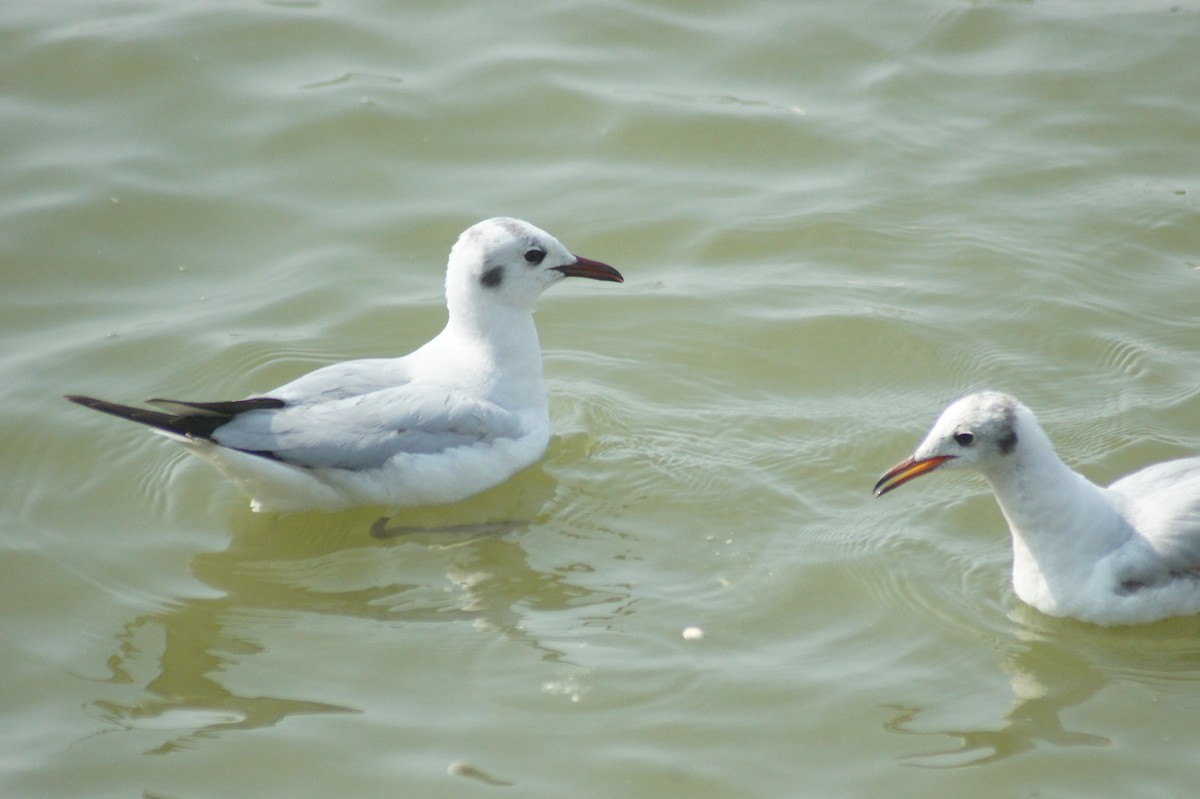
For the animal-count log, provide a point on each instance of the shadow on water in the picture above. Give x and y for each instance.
(460, 563)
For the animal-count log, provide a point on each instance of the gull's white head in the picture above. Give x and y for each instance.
(510, 262)
(980, 431)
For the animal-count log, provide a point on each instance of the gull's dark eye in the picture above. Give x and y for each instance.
(534, 256)
(964, 439)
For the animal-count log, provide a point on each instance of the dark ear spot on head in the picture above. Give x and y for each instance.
(1008, 439)
(492, 277)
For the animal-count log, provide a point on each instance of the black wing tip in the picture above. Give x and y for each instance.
(228, 409)
(192, 419)
(103, 406)
(193, 426)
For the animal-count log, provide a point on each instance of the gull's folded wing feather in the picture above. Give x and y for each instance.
(1163, 504)
(346, 379)
(360, 433)
(226, 410)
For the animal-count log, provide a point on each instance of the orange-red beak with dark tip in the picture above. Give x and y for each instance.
(902, 472)
(586, 267)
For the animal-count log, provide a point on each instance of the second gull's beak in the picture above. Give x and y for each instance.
(902, 472)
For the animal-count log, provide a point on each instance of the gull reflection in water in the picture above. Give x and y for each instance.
(170, 676)
(1056, 665)
(1045, 681)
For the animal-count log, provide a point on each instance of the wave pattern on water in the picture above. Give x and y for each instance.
(833, 220)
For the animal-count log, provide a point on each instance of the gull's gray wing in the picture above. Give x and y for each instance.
(1162, 502)
(344, 380)
(363, 432)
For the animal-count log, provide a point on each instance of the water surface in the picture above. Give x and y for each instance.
(833, 219)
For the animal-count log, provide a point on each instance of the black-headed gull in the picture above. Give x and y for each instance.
(1126, 554)
(459, 415)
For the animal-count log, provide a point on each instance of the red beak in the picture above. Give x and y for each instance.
(586, 267)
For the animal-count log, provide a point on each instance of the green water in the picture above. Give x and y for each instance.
(832, 217)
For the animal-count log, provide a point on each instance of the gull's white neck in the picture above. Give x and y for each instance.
(496, 347)
(1062, 524)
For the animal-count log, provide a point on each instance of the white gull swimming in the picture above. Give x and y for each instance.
(1126, 554)
(459, 415)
